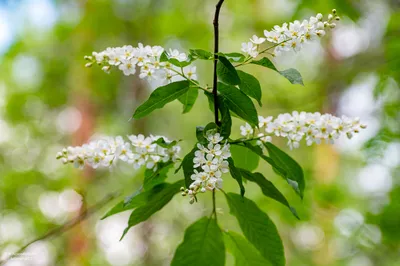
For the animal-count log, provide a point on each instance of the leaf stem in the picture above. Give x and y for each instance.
(214, 211)
(216, 44)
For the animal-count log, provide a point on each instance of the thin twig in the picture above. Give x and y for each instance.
(216, 44)
(215, 80)
(66, 226)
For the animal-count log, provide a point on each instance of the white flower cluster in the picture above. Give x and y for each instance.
(314, 127)
(291, 36)
(147, 59)
(210, 163)
(107, 151)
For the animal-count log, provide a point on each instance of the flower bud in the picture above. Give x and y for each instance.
(337, 18)
(59, 155)
(89, 58)
(191, 201)
(183, 194)
(330, 17)
(89, 64)
(106, 69)
(203, 190)
(363, 126)
(332, 25)
(182, 189)
(319, 16)
(334, 11)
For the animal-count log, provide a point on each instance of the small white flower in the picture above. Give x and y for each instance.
(246, 130)
(249, 49)
(256, 40)
(190, 72)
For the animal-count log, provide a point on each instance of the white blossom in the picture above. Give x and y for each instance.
(146, 60)
(250, 49)
(209, 163)
(105, 152)
(313, 127)
(291, 36)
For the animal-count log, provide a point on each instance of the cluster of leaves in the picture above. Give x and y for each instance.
(204, 242)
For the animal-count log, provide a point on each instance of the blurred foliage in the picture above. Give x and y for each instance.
(50, 100)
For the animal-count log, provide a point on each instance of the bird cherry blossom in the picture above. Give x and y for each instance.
(146, 60)
(209, 163)
(313, 127)
(291, 36)
(105, 152)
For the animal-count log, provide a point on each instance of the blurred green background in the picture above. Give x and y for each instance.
(351, 211)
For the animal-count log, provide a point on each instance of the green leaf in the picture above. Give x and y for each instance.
(244, 158)
(245, 253)
(210, 99)
(200, 135)
(268, 189)
(137, 199)
(226, 72)
(250, 85)
(188, 99)
(202, 245)
(265, 62)
(178, 63)
(237, 175)
(161, 96)
(201, 54)
(154, 204)
(226, 119)
(210, 126)
(280, 167)
(290, 74)
(257, 228)
(161, 142)
(152, 178)
(239, 103)
(287, 167)
(164, 57)
(187, 165)
(233, 57)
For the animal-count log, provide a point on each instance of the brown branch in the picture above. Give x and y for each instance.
(216, 44)
(66, 226)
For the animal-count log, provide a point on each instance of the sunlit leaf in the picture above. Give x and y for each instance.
(244, 252)
(202, 245)
(250, 85)
(154, 204)
(226, 72)
(161, 96)
(237, 175)
(267, 188)
(290, 74)
(287, 167)
(188, 99)
(257, 228)
(239, 103)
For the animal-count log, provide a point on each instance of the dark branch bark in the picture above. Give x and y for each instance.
(216, 44)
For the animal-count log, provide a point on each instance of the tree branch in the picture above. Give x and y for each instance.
(216, 44)
(66, 226)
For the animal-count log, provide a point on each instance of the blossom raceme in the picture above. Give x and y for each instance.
(209, 163)
(291, 36)
(313, 127)
(139, 151)
(147, 59)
